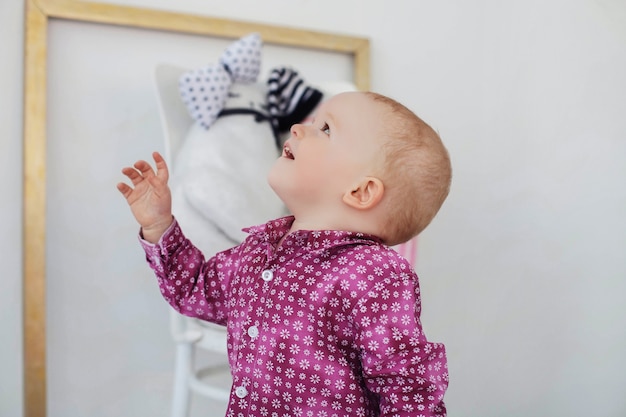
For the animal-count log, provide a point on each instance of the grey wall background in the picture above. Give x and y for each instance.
(523, 273)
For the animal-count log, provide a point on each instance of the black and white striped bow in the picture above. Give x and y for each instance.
(289, 99)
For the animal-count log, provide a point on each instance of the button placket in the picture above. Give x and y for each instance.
(255, 318)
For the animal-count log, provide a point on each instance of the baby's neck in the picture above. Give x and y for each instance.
(342, 217)
(345, 226)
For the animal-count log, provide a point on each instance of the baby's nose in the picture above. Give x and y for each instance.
(297, 130)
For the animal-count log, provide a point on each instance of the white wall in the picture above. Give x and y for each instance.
(524, 271)
(11, 33)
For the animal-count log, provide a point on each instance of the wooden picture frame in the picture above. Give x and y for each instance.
(37, 16)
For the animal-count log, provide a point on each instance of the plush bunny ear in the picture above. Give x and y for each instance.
(289, 99)
(205, 90)
(242, 59)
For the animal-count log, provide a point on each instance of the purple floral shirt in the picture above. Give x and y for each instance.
(326, 324)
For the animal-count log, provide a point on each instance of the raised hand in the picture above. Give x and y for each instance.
(150, 200)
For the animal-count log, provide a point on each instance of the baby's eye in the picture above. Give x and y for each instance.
(326, 129)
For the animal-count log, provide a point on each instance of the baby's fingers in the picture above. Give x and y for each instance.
(145, 169)
(161, 165)
(133, 175)
(124, 189)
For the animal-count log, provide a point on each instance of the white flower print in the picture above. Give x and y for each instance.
(330, 320)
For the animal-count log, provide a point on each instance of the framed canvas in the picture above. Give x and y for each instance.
(51, 111)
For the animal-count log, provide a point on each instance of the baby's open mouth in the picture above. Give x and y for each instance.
(287, 152)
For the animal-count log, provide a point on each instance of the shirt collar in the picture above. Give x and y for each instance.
(274, 230)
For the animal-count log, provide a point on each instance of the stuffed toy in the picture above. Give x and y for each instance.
(218, 180)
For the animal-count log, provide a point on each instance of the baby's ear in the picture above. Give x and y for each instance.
(366, 194)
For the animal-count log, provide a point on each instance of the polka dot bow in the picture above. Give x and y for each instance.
(205, 91)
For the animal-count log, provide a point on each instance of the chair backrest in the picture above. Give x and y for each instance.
(175, 119)
(175, 124)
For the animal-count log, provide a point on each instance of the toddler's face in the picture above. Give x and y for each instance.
(323, 158)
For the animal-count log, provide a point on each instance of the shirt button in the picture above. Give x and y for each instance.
(267, 275)
(253, 331)
(241, 391)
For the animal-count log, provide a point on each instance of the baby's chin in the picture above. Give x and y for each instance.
(280, 184)
(274, 176)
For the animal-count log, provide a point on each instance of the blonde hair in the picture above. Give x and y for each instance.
(416, 172)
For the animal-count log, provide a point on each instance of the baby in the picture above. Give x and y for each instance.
(322, 316)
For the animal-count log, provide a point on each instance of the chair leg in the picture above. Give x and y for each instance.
(182, 375)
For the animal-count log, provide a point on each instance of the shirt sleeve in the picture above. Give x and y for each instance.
(193, 286)
(407, 372)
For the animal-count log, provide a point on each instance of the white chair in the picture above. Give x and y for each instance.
(188, 334)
